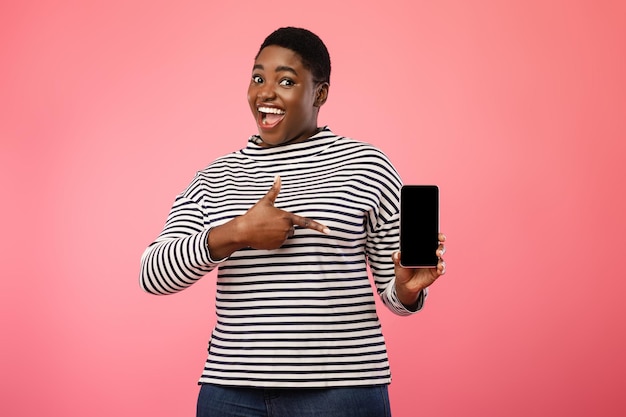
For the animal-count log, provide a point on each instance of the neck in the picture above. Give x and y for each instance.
(297, 139)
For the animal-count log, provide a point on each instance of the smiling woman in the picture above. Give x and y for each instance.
(284, 96)
(291, 222)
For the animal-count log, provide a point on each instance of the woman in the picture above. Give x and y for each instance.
(291, 221)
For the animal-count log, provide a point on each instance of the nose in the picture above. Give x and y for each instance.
(266, 92)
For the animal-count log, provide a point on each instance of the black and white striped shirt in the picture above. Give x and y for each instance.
(303, 315)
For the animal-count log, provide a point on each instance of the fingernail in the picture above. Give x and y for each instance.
(326, 230)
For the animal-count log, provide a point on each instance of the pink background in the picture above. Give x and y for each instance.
(516, 109)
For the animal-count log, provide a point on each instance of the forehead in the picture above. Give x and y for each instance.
(274, 56)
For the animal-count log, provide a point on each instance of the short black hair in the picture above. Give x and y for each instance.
(305, 43)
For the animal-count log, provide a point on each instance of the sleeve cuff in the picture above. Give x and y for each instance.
(397, 307)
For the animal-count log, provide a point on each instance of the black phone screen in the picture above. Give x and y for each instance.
(419, 225)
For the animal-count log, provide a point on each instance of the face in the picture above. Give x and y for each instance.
(283, 97)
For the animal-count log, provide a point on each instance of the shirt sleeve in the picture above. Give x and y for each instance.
(179, 256)
(383, 239)
(381, 245)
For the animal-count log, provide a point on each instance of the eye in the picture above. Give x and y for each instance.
(257, 79)
(286, 82)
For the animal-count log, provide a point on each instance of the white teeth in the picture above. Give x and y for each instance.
(270, 110)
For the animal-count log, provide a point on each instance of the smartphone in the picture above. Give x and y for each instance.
(419, 226)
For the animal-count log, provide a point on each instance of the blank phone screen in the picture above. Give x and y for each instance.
(419, 225)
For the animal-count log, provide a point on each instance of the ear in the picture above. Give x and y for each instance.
(321, 94)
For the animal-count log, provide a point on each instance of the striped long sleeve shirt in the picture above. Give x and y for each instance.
(302, 315)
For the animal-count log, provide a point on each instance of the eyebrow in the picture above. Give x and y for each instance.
(279, 68)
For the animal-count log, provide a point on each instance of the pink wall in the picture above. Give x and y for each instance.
(516, 109)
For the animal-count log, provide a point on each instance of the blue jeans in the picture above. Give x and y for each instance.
(223, 401)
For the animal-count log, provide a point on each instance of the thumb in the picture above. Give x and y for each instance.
(396, 258)
(273, 192)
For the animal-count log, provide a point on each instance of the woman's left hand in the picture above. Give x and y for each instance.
(410, 281)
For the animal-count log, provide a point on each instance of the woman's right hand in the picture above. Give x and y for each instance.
(263, 226)
(266, 227)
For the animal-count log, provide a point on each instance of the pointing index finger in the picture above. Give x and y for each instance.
(307, 223)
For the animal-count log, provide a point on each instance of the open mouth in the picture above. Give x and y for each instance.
(268, 117)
